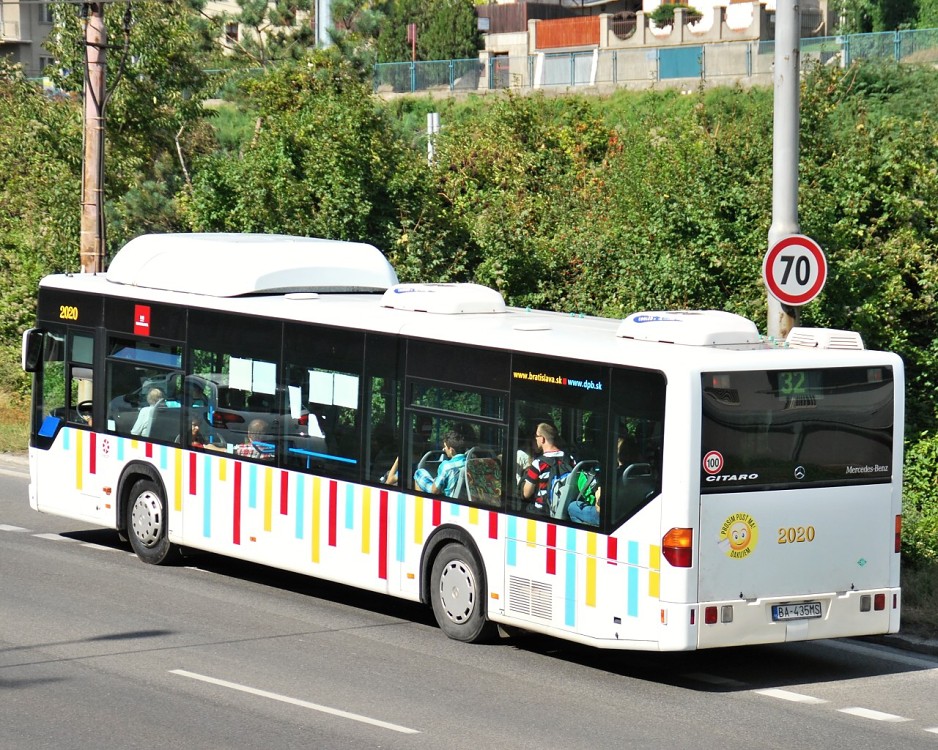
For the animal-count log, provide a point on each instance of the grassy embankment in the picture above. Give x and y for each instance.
(919, 583)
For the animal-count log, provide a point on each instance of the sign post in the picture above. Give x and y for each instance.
(794, 270)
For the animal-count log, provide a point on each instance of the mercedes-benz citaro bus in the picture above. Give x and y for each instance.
(272, 398)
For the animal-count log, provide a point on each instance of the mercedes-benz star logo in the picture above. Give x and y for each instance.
(799, 472)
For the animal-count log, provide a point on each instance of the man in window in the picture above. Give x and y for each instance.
(451, 468)
(255, 447)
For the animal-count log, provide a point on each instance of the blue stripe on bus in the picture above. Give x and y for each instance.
(401, 528)
(252, 486)
(120, 448)
(511, 546)
(569, 617)
(349, 506)
(299, 506)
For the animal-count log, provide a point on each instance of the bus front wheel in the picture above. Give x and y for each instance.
(147, 523)
(458, 596)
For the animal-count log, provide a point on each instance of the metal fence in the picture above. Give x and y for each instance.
(622, 67)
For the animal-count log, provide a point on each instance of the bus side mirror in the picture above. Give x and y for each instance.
(32, 349)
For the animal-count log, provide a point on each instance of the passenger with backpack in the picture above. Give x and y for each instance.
(547, 472)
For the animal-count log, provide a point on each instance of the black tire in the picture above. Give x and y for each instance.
(457, 595)
(147, 524)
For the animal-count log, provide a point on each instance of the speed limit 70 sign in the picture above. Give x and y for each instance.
(794, 270)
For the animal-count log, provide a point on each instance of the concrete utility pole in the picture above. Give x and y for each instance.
(92, 185)
(785, 147)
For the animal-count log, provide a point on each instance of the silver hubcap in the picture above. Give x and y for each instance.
(457, 591)
(147, 518)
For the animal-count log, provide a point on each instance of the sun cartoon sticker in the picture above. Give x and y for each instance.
(739, 535)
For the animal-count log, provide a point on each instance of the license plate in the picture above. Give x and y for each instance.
(799, 611)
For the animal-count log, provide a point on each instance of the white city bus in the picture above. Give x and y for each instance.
(271, 398)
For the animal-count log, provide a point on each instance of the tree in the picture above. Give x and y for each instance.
(275, 31)
(451, 31)
(323, 162)
(155, 89)
(40, 148)
(392, 44)
(446, 30)
(355, 27)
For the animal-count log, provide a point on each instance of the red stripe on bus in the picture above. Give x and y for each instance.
(333, 511)
(284, 486)
(551, 550)
(437, 513)
(148, 450)
(383, 535)
(192, 472)
(237, 503)
(493, 525)
(93, 454)
(612, 550)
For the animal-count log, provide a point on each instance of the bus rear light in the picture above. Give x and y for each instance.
(866, 602)
(726, 613)
(710, 615)
(895, 601)
(677, 546)
(879, 602)
(898, 542)
(303, 420)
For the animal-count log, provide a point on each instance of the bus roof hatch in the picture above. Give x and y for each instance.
(692, 328)
(445, 299)
(233, 265)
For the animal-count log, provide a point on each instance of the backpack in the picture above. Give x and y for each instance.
(560, 469)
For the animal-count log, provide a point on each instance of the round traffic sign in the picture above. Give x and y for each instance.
(713, 462)
(794, 270)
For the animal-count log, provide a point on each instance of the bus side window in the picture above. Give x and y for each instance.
(324, 387)
(638, 406)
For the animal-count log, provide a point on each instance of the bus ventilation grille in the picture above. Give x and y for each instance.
(532, 598)
(823, 338)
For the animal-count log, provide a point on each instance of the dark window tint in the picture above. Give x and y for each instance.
(796, 428)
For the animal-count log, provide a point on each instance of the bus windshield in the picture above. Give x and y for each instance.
(787, 429)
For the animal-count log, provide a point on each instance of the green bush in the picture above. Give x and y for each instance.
(663, 15)
(920, 500)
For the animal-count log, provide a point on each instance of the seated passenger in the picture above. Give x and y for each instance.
(254, 446)
(536, 484)
(197, 439)
(585, 509)
(144, 422)
(448, 473)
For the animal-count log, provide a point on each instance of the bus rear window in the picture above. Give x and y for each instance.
(795, 428)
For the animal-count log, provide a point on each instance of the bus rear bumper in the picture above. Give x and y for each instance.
(785, 619)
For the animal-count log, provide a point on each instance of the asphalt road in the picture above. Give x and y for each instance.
(98, 650)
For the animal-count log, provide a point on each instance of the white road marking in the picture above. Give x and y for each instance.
(55, 537)
(92, 545)
(7, 527)
(868, 713)
(933, 730)
(296, 702)
(787, 695)
(14, 473)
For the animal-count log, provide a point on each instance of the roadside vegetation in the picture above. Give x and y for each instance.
(602, 205)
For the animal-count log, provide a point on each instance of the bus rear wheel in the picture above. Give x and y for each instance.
(147, 523)
(457, 595)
